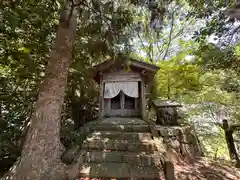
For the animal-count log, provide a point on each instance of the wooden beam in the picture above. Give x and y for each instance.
(143, 100)
(101, 99)
(121, 76)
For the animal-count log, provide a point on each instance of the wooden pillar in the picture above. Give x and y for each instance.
(122, 102)
(143, 99)
(101, 98)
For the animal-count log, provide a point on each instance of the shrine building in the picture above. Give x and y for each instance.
(124, 87)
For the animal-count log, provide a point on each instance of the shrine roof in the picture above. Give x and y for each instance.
(132, 62)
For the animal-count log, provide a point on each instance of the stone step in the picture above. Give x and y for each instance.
(123, 120)
(141, 158)
(120, 171)
(119, 145)
(168, 130)
(130, 136)
(121, 127)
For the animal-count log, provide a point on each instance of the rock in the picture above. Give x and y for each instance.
(73, 169)
(69, 155)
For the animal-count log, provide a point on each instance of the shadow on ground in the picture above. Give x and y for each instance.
(205, 169)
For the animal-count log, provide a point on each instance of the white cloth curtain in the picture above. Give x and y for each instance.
(112, 89)
(130, 89)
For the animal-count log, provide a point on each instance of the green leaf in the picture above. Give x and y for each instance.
(24, 50)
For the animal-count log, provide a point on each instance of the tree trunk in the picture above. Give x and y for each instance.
(230, 142)
(40, 158)
(168, 88)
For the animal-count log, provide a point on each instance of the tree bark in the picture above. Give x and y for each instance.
(230, 142)
(40, 157)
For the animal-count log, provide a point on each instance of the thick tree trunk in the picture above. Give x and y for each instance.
(42, 149)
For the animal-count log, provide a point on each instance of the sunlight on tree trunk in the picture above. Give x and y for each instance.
(41, 153)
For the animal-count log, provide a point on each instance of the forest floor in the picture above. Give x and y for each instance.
(202, 169)
(206, 169)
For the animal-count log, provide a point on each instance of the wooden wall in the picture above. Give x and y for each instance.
(121, 76)
(121, 112)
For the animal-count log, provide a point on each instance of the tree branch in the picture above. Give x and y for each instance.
(67, 12)
(160, 50)
(233, 33)
(235, 126)
(170, 37)
(148, 52)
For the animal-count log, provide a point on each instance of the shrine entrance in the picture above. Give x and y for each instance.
(125, 103)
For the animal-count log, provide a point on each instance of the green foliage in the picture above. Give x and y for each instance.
(196, 72)
(28, 33)
(177, 77)
(214, 143)
(193, 71)
(213, 57)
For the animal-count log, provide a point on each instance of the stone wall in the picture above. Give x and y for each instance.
(179, 143)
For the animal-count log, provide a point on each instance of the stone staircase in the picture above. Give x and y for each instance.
(121, 148)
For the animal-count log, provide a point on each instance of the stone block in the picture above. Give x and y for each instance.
(115, 145)
(157, 160)
(69, 156)
(110, 145)
(149, 147)
(93, 157)
(145, 136)
(105, 127)
(112, 157)
(110, 170)
(146, 160)
(121, 146)
(95, 145)
(113, 127)
(134, 147)
(111, 135)
(131, 158)
(145, 172)
(141, 147)
(137, 137)
(123, 127)
(169, 170)
(103, 157)
(140, 128)
(130, 135)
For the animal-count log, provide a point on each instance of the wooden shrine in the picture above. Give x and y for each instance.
(124, 87)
